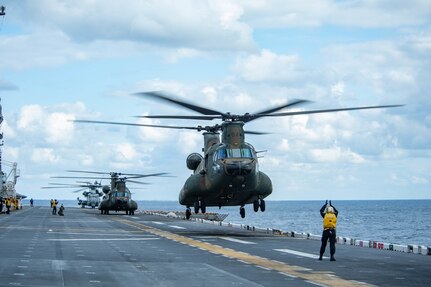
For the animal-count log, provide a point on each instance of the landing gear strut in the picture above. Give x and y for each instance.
(199, 205)
(188, 213)
(242, 211)
(259, 203)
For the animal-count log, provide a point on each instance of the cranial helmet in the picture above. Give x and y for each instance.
(330, 209)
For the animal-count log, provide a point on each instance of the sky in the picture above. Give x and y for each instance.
(65, 60)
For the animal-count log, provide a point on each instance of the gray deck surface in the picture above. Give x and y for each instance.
(85, 248)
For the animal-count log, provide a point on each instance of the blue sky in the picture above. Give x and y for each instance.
(60, 61)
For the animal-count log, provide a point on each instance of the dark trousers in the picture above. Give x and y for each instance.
(54, 210)
(331, 235)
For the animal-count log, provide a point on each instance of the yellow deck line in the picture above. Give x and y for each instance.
(319, 277)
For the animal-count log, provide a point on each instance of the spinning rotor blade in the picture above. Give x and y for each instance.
(211, 114)
(82, 189)
(86, 171)
(165, 97)
(272, 110)
(327, 111)
(120, 173)
(137, 182)
(136, 125)
(89, 177)
(135, 175)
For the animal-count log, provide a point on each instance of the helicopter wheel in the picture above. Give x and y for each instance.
(242, 211)
(188, 213)
(101, 211)
(256, 205)
(262, 205)
(196, 206)
(203, 207)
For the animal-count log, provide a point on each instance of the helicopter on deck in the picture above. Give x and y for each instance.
(90, 190)
(116, 196)
(227, 174)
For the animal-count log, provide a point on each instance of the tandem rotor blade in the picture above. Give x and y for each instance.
(135, 124)
(274, 109)
(163, 96)
(328, 111)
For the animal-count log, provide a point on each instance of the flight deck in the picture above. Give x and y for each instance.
(86, 248)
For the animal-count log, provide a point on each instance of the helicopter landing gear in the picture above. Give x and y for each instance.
(188, 213)
(259, 203)
(262, 205)
(242, 211)
(101, 211)
(199, 205)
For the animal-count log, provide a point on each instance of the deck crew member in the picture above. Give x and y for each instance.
(329, 214)
(54, 207)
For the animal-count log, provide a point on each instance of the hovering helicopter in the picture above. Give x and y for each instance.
(117, 197)
(90, 192)
(227, 174)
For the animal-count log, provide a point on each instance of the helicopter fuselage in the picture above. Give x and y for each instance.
(118, 199)
(227, 176)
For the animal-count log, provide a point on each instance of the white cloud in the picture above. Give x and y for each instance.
(51, 127)
(44, 156)
(336, 154)
(190, 141)
(268, 66)
(282, 13)
(125, 152)
(196, 24)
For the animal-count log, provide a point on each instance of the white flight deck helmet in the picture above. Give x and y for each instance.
(330, 209)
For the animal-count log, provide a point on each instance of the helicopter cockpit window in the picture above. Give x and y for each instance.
(234, 153)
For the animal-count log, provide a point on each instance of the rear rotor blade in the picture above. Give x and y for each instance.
(170, 99)
(328, 111)
(274, 109)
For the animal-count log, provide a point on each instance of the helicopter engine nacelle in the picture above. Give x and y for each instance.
(106, 189)
(193, 161)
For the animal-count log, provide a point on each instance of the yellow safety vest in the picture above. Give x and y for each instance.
(329, 220)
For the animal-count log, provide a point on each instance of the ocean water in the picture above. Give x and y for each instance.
(391, 221)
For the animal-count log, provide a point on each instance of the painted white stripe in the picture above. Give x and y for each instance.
(299, 253)
(99, 234)
(237, 240)
(157, 222)
(177, 227)
(102, 239)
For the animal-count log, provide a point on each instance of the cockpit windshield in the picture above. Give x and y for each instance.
(234, 153)
(121, 194)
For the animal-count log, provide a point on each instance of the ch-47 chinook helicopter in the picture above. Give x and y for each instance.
(228, 173)
(117, 197)
(90, 192)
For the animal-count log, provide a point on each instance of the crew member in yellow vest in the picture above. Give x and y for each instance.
(329, 214)
(54, 207)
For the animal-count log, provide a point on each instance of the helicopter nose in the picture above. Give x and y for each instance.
(238, 168)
